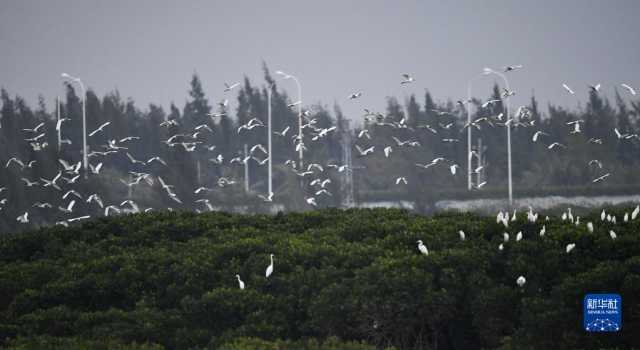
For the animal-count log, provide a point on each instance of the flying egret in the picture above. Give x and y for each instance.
(407, 79)
(566, 87)
(629, 88)
(228, 87)
(355, 95)
(512, 68)
(24, 218)
(99, 129)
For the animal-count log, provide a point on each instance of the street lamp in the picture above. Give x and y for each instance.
(85, 161)
(270, 169)
(469, 171)
(301, 148)
(488, 71)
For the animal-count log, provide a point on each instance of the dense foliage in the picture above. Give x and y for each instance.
(342, 279)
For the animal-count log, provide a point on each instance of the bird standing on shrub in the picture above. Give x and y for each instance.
(240, 282)
(422, 248)
(269, 268)
(521, 281)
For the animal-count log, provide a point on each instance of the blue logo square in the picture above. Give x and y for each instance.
(602, 312)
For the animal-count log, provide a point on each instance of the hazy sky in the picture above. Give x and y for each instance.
(148, 49)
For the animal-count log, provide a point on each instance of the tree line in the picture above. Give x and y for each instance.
(534, 166)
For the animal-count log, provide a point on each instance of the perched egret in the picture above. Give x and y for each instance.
(570, 247)
(521, 281)
(422, 248)
(269, 268)
(240, 282)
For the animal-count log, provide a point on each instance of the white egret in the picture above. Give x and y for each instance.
(590, 227)
(24, 218)
(269, 270)
(570, 247)
(566, 87)
(612, 234)
(240, 283)
(629, 88)
(422, 248)
(521, 281)
(99, 129)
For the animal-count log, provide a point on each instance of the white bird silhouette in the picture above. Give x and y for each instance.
(566, 87)
(590, 227)
(240, 283)
(69, 207)
(462, 235)
(521, 281)
(269, 270)
(556, 145)
(366, 151)
(570, 247)
(228, 87)
(629, 88)
(24, 218)
(537, 134)
(99, 129)
(34, 130)
(401, 179)
(512, 68)
(612, 234)
(422, 248)
(543, 231)
(283, 132)
(600, 178)
(14, 160)
(355, 95)
(311, 201)
(407, 79)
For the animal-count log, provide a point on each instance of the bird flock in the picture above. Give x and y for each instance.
(316, 174)
(68, 175)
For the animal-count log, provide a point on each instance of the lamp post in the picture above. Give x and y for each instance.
(85, 161)
(270, 168)
(289, 76)
(469, 171)
(488, 71)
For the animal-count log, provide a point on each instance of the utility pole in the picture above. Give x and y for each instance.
(58, 121)
(246, 169)
(480, 152)
(198, 168)
(347, 182)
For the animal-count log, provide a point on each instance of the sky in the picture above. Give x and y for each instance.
(148, 49)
